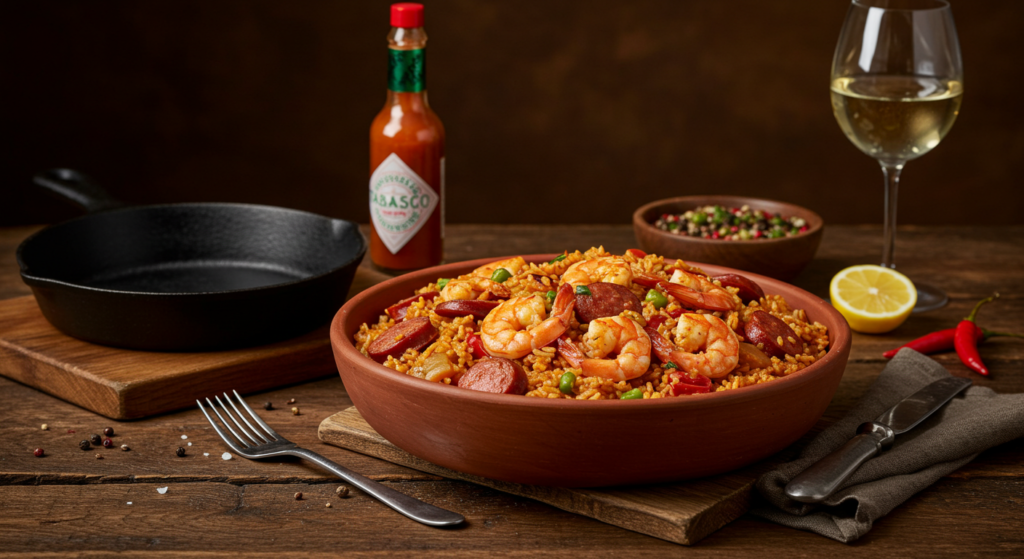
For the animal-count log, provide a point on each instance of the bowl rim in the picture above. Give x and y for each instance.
(816, 222)
(344, 348)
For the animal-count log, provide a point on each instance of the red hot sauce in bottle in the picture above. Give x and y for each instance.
(406, 156)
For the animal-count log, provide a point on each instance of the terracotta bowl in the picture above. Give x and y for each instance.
(583, 443)
(778, 258)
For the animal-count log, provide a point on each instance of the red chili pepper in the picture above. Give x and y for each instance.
(934, 342)
(965, 343)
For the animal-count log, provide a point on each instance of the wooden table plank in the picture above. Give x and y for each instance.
(98, 518)
(69, 502)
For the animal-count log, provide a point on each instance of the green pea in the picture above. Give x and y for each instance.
(656, 298)
(566, 382)
(500, 275)
(635, 394)
(558, 258)
(776, 221)
(669, 365)
(441, 282)
(551, 296)
(700, 218)
(582, 290)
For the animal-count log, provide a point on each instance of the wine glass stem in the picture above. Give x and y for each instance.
(892, 183)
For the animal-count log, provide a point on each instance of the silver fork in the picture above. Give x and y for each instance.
(266, 443)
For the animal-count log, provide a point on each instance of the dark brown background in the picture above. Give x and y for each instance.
(596, 106)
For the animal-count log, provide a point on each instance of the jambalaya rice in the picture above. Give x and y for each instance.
(545, 366)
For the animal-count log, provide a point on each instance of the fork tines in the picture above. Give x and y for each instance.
(265, 436)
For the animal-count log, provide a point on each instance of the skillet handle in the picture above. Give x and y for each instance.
(77, 188)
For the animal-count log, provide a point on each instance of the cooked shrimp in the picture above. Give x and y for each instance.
(611, 269)
(478, 284)
(472, 287)
(513, 265)
(518, 326)
(704, 344)
(611, 335)
(694, 290)
(709, 294)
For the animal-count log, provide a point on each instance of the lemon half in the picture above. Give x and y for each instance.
(873, 299)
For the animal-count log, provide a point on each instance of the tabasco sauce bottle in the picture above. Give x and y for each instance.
(406, 156)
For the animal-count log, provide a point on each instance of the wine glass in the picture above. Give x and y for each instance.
(897, 83)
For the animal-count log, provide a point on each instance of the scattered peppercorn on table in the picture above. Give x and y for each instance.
(177, 490)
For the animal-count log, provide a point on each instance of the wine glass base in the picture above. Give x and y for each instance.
(929, 298)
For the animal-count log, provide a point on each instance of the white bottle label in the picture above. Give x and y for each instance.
(400, 202)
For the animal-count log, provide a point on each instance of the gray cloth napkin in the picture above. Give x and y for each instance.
(977, 420)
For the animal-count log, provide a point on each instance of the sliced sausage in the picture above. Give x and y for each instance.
(605, 299)
(398, 310)
(766, 331)
(496, 375)
(458, 307)
(415, 333)
(748, 290)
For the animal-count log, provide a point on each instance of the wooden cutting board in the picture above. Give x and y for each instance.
(126, 384)
(682, 512)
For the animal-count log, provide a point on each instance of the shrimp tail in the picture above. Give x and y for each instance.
(661, 347)
(568, 350)
(565, 302)
(698, 299)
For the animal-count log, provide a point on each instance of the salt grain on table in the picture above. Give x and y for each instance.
(161, 490)
(183, 437)
(206, 454)
(129, 502)
(189, 444)
(226, 456)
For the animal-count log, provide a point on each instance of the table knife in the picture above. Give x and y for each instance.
(819, 481)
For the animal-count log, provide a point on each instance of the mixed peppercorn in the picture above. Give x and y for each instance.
(731, 224)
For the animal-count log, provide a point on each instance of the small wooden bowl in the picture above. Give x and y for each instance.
(778, 258)
(583, 443)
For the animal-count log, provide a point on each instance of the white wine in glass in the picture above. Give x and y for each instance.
(897, 84)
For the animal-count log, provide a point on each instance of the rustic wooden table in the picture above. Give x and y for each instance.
(71, 503)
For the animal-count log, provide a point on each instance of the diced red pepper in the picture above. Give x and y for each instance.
(398, 310)
(476, 346)
(636, 253)
(758, 234)
(675, 313)
(656, 321)
(682, 383)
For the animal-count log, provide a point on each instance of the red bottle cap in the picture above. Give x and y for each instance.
(407, 14)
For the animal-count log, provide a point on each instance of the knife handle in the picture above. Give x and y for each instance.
(816, 483)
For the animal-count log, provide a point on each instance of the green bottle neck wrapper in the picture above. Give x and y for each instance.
(407, 70)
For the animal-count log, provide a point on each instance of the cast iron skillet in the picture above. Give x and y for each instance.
(186, 277)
